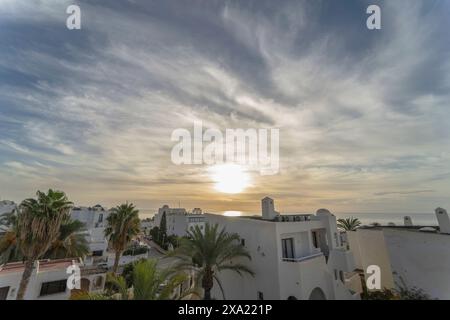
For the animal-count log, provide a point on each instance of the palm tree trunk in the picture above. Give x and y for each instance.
(116, 261)
(207, 283)
(29, 264)
(207, 294)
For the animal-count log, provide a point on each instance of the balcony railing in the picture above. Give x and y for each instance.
(300, 259)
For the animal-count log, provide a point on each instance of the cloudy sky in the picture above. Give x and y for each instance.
(363, 115)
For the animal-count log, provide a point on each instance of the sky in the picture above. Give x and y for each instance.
(363, 115)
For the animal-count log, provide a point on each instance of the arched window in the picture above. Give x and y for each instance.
(317, 294)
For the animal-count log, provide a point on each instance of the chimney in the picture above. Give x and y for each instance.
(268, 209)
(407, 221)
(443, 220)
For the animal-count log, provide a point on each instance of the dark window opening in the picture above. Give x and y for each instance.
(4, 293)
(53, 287)
(288, 248)
(260, 295)
(97, 253)
(315, 240)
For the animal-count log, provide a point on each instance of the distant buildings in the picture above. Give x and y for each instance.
(293, 256)
(178, 220)
(417, 255)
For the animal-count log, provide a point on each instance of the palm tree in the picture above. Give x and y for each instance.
(349, 224)
(123, 226)
(8, 248)
(37, 228)
(71, 241)
(148, 283)
(210, 252)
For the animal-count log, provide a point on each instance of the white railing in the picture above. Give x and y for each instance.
(312, 256)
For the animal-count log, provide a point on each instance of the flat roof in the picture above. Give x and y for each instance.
(408, 228)
(44, 265)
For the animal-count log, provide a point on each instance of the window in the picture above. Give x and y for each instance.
(100, 218)
(243, 242)
(53, 287)
(260, 295)
(97, 253)
(98, 282)
(4, 293)
(315, 240)
(341, 275)
(288, 248)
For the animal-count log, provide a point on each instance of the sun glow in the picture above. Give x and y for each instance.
(230, 178)
(232, 213)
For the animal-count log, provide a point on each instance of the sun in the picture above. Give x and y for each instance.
(230, 178)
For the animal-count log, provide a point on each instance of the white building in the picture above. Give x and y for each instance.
(48, 280)
(293, 257)
(178, 220)
(146, 225)
(418, 255)
(94, 219)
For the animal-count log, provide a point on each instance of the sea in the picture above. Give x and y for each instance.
(422, 219)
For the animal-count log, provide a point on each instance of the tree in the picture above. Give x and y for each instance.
(406, 293)
(349, 224)
(37, 228)
(147, 283)
(210, 252)
(71, 241)
(154, 233)
(162, 237)
(123, 226)
(401, 292)
(127, 272)
(8, 241)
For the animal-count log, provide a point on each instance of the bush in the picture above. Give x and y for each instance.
(136, 250)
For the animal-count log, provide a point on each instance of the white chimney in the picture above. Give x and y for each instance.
(268, 209)
(407, 221)
(443, 220)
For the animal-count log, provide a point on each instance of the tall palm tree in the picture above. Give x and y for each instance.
(37, 228)
(210, 252)
(8, 247)
(348, 224)
(71, 241)
(148, 283)
(123, 226)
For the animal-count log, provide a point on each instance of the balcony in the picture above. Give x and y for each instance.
(304, 258)
(300, 275)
